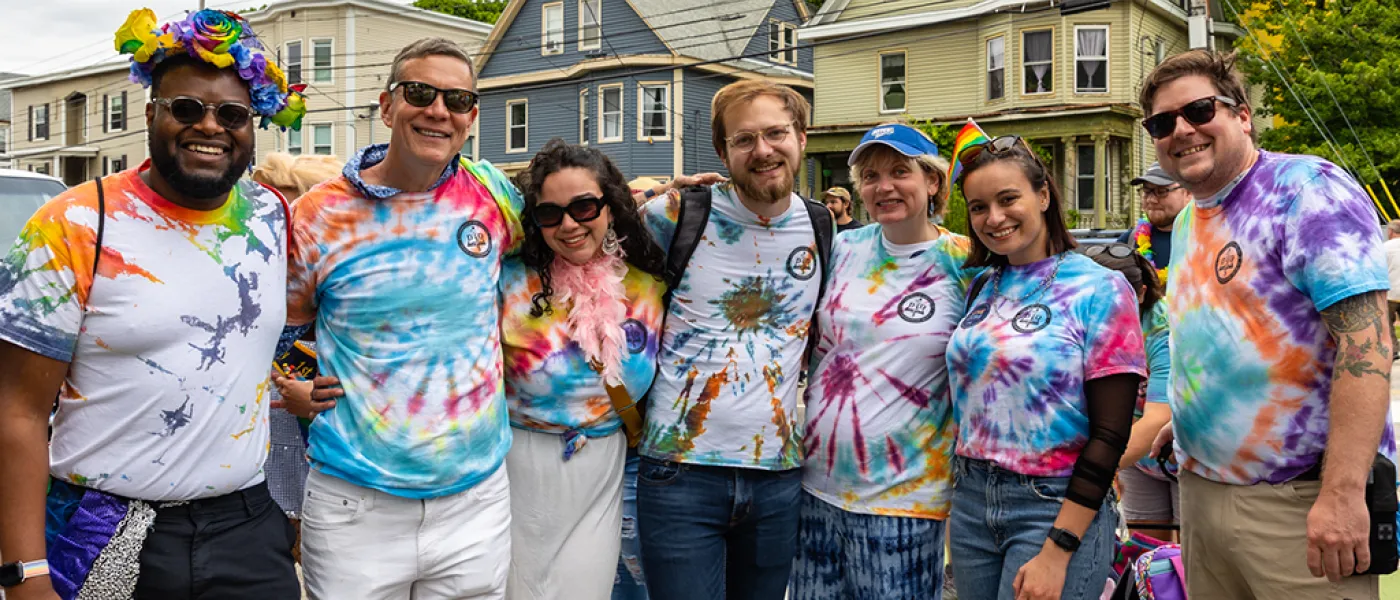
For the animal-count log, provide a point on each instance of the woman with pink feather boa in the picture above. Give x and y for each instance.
(582, 311)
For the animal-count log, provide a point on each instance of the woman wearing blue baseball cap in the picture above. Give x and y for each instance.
(880, 429)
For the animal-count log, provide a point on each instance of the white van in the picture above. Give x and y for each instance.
(22, 193)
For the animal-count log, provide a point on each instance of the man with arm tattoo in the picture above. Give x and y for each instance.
(1280, 358)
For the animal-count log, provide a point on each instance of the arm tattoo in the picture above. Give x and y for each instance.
(1358, 353)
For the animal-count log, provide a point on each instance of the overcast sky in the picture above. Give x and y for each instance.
(43, 36)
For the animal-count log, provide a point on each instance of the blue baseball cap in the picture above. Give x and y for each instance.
(904, 139)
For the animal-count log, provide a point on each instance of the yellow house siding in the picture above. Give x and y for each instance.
(849, 91)
(874, 9)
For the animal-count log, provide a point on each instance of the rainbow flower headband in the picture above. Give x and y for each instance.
(222, 39)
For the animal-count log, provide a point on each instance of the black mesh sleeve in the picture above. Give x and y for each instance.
(1111, 400)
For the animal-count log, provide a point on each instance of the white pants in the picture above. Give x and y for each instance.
(566, 517)
(363, 544)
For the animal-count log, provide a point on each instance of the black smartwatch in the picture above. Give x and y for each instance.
(15, 573)
(1065, 539)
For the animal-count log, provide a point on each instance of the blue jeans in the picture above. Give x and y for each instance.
(711, 533)
(630, 584)
(999, 523)
(856, 556)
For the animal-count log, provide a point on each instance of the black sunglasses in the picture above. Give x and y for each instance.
(1116, 250)
(1001, 146)
(189, 111)
(1196, 112)
(423, 95)
(583, 209)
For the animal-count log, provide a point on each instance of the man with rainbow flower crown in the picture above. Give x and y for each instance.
(149, 302)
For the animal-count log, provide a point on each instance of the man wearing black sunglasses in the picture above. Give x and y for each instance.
(397, 263)
(1280, 357)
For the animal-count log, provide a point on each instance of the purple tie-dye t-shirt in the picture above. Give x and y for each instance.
(880, 428)
(1017, 369)
(1251, 373)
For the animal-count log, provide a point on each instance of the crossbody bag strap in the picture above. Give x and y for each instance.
(101, 221)
(625, 408)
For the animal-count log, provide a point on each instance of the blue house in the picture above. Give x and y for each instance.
(633, 78)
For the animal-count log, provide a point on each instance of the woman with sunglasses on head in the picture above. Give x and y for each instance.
(1044, 370)
(582, 309)
(1149, 496)
(880, 430)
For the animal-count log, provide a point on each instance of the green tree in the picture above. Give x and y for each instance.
(1340, 60)
(486, 11)
(955, 214)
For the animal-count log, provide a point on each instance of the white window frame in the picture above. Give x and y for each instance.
(880, 66)
(301, 141)
(544, 29)
(585, 120)
(603, 91)
(584, 8)
(1051, 62)
(1107, 75)
(642, 109)
(329, 146)
(782, 42)
(990, 70)
(511, 126)
(299, 63)
(115, 121)
(42, 110)
(329, 69)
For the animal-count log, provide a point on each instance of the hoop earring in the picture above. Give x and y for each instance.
(611, 245)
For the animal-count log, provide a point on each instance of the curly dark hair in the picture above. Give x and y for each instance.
(641, 250)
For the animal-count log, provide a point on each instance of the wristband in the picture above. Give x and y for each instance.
(15, 573)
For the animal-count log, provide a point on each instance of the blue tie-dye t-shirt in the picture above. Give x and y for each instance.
(880, 427)
(1156, 335)
(726, 386)
(1252, 360)
(166, 397)
(1019, 360)
(403, 292)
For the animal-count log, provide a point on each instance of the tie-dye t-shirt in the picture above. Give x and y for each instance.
(1017, 369)
(549, 383)
(880, 427)
(726, 384)
(1156, 335)
(1251, 372)
(166, 397)
(403, 292)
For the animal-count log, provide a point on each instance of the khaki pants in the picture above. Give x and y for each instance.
(1241, 542)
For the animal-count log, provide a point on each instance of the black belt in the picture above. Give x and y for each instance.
(1314, 473)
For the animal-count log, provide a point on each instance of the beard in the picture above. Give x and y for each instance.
(772, 193)
(197, 186)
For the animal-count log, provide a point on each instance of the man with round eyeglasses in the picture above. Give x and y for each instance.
(396, 263)
(1280, 358)
(149, 302)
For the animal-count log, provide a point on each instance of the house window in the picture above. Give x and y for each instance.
(552, 33)
(4, 141)
(113, 165)
(292, 65)
(654, 100)
(116, 112)
(892, 96)
(1090, 59)
(610, 113)
(1085, 173)
(996, 68)
(42, 169)
(41, 122)
(321, 61)
(1037, 57)
(518, 127)
(590, 24)
(321, 139)
(293, 142)
(782, 42)
(585, 122)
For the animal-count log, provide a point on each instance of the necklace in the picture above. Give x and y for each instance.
(1044, 285)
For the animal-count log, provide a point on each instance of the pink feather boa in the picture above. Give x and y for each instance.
(595, 299)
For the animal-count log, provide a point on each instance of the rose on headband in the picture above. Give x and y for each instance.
(209, 34)
(138, 35)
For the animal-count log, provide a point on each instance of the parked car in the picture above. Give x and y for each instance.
(22, 193)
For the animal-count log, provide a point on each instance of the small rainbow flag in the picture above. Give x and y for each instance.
(971, 135)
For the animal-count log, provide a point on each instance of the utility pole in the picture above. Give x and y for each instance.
(1198, 25)
(201, 4)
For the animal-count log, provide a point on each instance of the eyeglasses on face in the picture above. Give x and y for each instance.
(1149, 191)
(1196, 112)
(422, 95)
(582, 209)
(745, 141)
(190, 111)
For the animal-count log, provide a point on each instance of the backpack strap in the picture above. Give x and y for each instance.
(101, 222)
(691, 219)
(978, 282)
(823, 227)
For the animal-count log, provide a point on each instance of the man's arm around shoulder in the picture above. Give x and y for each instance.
(28, 385)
